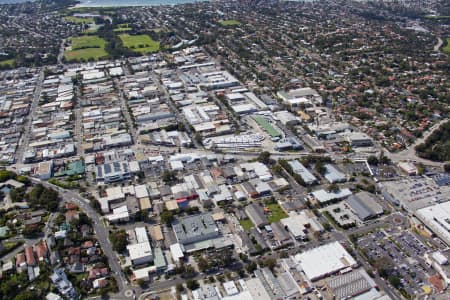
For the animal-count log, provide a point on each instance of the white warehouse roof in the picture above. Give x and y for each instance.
(324, 196)
(324, 260)
(436, 218)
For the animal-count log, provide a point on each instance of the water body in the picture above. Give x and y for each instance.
(12, 1)
(112, 3)
(115, 3)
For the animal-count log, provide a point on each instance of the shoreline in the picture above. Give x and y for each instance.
(133, 3)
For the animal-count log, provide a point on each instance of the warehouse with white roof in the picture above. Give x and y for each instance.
(436, 218)
(301, 170)
(325, 260)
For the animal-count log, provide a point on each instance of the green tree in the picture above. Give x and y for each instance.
(140, 282)
(119, 240)
(192, 284)
(198, 138)
(372, 160)
(5, 175)
(167, 217)
(333, 188)
(95, 204)
(168, 176)
(180, 287)
(395, 281)
(319, 167)
(447, 168)
(264, 157)
(251, 267)
(202, 264)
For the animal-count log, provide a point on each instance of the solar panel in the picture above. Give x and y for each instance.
(107, 169)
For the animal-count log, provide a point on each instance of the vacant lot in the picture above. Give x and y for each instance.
(246, 224)
(78, 20)
(140, 43)
(276, 213)
(230, 23)
(88, 41)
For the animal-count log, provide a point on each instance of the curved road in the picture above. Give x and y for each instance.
(101, 234)
(410, 152)
(438, 45)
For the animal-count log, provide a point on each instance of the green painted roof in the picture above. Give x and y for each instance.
(73, 168)
(267, 126)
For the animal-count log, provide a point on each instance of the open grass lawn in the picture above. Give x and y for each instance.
(140, 43)
(437, 17)
(86, 54)
(447, 47)
(247, 224)
(122, 28)
(276, 213)
(86, 47)
(8, 62)
(78, 20)
(88, 41)
(230, 23)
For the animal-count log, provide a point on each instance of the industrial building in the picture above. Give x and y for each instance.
(298, 224)
(325, 260)
(286, 118)
(268, 127)
(193, 229)
(286, 144)
(304, 173)
(333, 175)
(113, 172)
(358, 139)
(141, 252)
(364, 205)
(436, 217)
(256, 215)
(302, 96)
(322, 196)
(351, 284)
(408, 168)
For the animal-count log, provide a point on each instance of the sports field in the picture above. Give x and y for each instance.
(140, 43)
(78, 20)
(230, 23)
(122, 28)
(8, 62)
(447, 47)
(87, 41)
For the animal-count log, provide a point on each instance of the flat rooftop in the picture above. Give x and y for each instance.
(324, 260)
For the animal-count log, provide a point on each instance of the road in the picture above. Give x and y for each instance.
(410, 152)
(29, 242)
(61, 52)
(101, 233)
(438, 44)
(78, 126)
(125, 111)
(23, 145)
(173, 107)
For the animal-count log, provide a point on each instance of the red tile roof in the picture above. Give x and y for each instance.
(29, 255)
